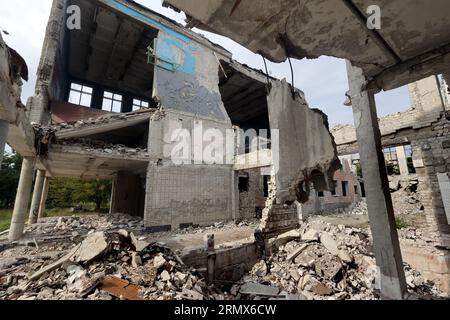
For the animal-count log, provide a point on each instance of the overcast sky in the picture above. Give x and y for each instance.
(323, 80)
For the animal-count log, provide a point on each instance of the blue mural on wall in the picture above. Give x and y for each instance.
(169, 47)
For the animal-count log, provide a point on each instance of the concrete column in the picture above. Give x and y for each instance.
(43, 198)
(37, 195)
(402, 161)
(22, 199)
(3, 136)
(379, 201)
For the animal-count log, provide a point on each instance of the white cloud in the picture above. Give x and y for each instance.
(323, 80)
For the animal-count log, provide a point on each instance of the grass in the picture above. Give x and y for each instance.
(401, 223)
(5, 215)
(5, 219)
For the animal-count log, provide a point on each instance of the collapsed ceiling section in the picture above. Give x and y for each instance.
(410, 35)
(244, 97)
(111, 51)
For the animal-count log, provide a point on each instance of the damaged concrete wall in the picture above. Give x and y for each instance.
(426, 108)
(187, 77)
(190, 192)
(179, 196)
(52, 79)
(338, 200)
(306, 152)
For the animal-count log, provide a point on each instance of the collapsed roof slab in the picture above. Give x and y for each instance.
(105, 124)
(413, 41)
(79, 161)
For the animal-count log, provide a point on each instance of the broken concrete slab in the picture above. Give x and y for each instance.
(139, 245)
(296, 252)
(256, 289)
(329, 243)
(94, 246)
(311, 235)
(56, 264)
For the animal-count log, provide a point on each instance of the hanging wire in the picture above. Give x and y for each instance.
(267, 73)
(292, 77)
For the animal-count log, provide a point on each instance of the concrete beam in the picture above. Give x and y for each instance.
(402, 161)
(22, 199)
(379, 202)
(103, 127)
(43, 201)
(37, 195)
(3, 136)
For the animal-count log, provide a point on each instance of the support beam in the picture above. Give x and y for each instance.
(4, 125)
(379, 201)
(22, 199)
(402, 161)
(37, 195)
(43, 201)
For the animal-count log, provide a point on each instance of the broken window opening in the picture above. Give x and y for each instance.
(363, 189)
(80, 94)
(392, 165)
(356, 190)
(244, 184)
(344, 188)
(266, 186)
(245, 100)
(333, 192)
(321, 194)
(409, 159)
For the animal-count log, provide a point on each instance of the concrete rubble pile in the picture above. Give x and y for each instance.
(100, 265)
(92, 145)
(100, 120)
(405, 198)
(324, 262)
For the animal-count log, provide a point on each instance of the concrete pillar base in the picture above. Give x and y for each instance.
(37, 195)
(22, 200)
(43, 198)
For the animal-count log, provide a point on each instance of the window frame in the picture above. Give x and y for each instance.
(82, 92)
(112, 100)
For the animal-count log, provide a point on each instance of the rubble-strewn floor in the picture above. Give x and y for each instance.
(111, 257)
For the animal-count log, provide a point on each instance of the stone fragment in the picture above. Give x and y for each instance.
(329, 243)
(139, 245)
(165, 276)
(192, 295)
(311, 235)
(136, 260)
(328, 266)
(159, 261)
(260, 269)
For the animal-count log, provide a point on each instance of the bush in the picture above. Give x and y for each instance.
(401, 223)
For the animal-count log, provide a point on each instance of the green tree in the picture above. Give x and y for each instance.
(9, 179)
(70, 192)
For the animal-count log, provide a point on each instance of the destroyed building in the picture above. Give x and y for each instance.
(115, 98)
